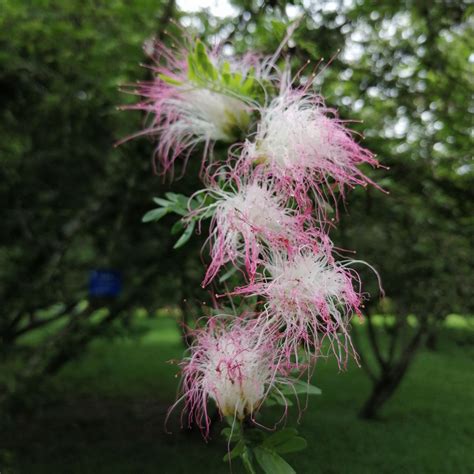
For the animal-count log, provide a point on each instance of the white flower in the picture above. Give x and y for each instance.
(236, 374)
(232, 364)
(254, 209)
(202, 115)
(306, 281)
(250, 217)
(301, 142)
(310, 297)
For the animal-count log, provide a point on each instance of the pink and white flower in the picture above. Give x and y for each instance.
(306, 147)
(232, 363)
(185, 109)
(310, 297)
(250, 217)
(269, 209)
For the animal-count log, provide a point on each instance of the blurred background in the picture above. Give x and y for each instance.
(92, 299)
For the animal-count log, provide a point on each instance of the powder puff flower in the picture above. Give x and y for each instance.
(249, 218)
(310, 297)
(194, 98)
(302, 143)
(233, 365)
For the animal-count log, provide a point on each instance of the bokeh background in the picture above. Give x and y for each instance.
(85, 381)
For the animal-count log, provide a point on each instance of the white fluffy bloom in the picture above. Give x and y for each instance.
(305, 280)
(309, 297)
(249, 219)
(204, 115)
(195, 97)
(301, 142)
(235, 376)
(257, 207)
(230, 364)
(287, 127)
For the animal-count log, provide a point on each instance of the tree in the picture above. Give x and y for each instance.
(72, 201)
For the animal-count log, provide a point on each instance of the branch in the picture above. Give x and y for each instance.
(374, 343)
(42, 322)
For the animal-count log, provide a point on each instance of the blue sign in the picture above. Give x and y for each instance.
(105, 283)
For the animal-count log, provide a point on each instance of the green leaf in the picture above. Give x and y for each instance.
(155, 215)
(161, 202)
(278, 399)
(192, 70)
(237, 79)
(297, 386)
(249, 81)
(297, 443)
(236, 451)
(247, 85)
(178, 226)
(226, 67)
(203, 61)
(230, 421)
(173, 197)
(169, 80)
(285, 441)
(271, 462)
(279, 28)
(270, 402)
(185, 236)
(225, 73)
(182, 200)
(178, 203)
(199, 49)
(246, 457)
(177, 208)
(280, 436)
(231, 435)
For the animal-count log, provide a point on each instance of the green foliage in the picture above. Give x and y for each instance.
(72, 197)
(285, 441)
(73, 201)
(183, 206)
(255, 446)
(292, 386)
(298, 386)
(203, 72)
(271, 462)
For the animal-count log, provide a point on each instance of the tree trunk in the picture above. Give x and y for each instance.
(432, 340)
(390, 379)
(381, 392)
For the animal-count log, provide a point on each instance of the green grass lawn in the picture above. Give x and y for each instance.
(105, 414)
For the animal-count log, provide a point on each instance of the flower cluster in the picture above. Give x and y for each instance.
(232, 364)
(310, 297)
(196, 98)
(268, 205)
(302, 143)
(251, 218)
